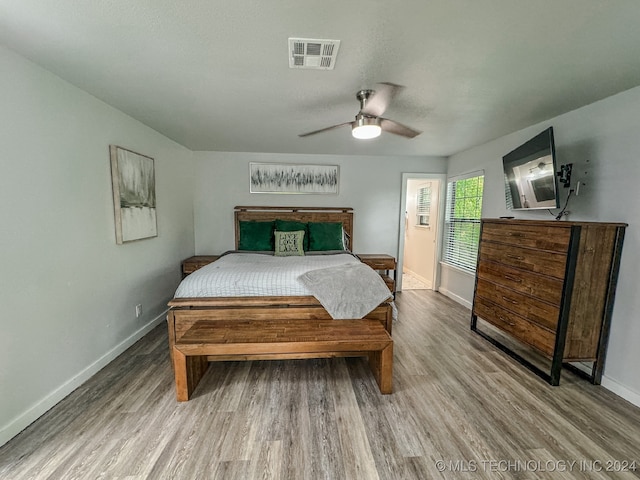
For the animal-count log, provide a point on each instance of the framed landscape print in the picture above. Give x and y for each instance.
(292, 178)
(134, 195)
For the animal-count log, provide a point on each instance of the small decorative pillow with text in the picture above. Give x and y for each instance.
(294, 226)
(289, 243)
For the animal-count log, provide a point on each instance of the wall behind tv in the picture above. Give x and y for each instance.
(602, 142)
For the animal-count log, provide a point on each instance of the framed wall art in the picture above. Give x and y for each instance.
(293, 178)
(134, 195)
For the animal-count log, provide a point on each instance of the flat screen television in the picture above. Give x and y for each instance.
(530, 174)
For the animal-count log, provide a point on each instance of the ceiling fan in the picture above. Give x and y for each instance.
(369, 123)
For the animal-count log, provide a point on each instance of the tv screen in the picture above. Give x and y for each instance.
(530, 174)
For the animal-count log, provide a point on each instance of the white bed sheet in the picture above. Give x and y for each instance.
(254, 274)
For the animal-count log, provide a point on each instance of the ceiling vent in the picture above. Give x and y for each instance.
(313, 54)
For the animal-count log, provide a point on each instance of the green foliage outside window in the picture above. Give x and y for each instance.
(462, 222)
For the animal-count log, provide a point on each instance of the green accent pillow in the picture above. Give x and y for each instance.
(294, 226)
(257, 236)
(289, 243)
(325, 236)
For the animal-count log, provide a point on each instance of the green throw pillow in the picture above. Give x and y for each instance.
(325, 236)
(289, 243)
(257, 236)
(294, 226)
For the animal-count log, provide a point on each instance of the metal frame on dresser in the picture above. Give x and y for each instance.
(553, 376)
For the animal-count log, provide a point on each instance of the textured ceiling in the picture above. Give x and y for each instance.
(214, 75)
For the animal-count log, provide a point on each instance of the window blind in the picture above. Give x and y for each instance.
(462, 222)
(423, 206)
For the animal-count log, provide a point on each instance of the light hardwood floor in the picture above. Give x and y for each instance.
(456, 400)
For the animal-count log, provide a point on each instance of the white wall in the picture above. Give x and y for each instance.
(602, 142)
(371, 185)
(68, 292)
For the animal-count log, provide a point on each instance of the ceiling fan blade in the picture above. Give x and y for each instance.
(379, 101)
(324, 129)
(397, 128)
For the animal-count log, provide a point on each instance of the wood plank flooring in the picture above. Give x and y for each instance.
(460, 409)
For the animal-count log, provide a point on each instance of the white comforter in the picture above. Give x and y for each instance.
(254, 274)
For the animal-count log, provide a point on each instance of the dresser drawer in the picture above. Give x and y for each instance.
(528, 283)
(539, 261)
(378, 262)
(192, 264)
(521, 329)
(192, 267)
(533, 309)
(555, 239)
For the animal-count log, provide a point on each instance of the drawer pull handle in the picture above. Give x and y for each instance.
(514, 234)
(507, 299)
(515, 257)
(513, 279)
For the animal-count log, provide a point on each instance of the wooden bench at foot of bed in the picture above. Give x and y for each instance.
(279, 339)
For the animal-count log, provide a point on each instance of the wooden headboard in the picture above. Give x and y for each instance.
(299, 214)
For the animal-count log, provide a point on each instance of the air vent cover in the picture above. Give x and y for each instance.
(311, 53)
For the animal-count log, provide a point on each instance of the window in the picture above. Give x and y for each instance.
(423, 205)
(462, 221)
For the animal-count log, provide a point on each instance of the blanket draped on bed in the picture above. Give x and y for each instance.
(241, 274)
(346, 291)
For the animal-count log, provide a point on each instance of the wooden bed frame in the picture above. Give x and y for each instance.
(185, 312)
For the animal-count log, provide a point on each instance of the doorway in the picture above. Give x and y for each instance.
(420, 231)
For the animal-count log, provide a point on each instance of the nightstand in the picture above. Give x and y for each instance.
(383, 264)
(192, 264)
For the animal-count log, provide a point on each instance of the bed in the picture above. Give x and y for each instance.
(185, 311)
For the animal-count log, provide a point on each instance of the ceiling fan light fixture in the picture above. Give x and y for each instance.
(369, 121)
(365, 128)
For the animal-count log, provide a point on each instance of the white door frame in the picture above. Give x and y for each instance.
(441, 178)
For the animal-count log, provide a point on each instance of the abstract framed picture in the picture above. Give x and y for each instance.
(134, 195)
(293, 178)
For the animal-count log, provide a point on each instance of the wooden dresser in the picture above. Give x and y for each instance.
(549, 285)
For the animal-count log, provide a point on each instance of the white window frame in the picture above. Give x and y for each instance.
(461, 254)
(423, 205)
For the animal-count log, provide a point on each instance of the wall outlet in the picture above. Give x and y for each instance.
(138, 310)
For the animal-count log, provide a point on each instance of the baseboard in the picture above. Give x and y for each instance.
(455, 298)
(620, 390)
(41, 407)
